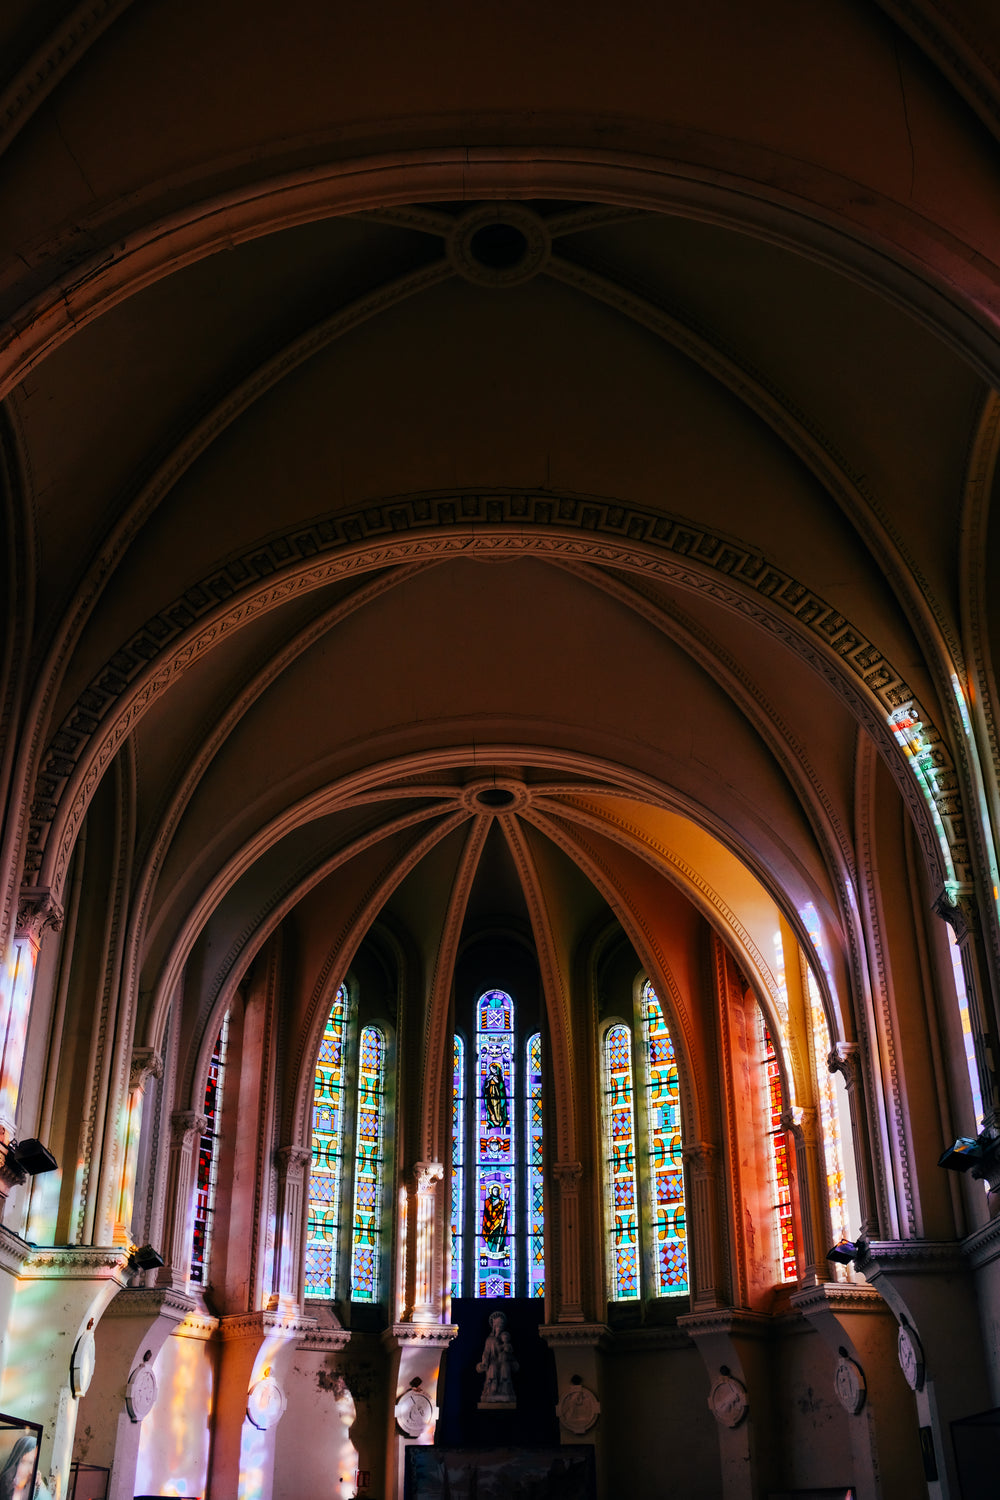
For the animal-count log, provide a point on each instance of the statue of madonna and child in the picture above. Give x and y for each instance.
(498, 1365)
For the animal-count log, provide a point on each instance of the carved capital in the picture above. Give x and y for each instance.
(146, 1064)
(568, 1175)
(37, 909)
(185, 1123)
(426, 1176)
(701, 1158)
(959, 911)
(845, 1058)
(291, 1159)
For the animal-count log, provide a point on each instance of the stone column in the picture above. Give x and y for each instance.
(733, 1346)
(569, 1291)
(859, 1329)
(845, 1058)
(962, 916)
(37, 912)
(60, 1297)
(702, 1163)
(146, 1064)
(415, 1355)
(810, 1174)
(186, 1128)
(292, 1162)
(428, 1257)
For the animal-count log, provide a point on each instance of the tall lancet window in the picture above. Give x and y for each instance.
(535, 1195)
(208, 1161)
(780, 1175)
(622, 1182)
(666, 1159)
(323, 1227)
(457, 1165)
(368, 1167)
(496, 1165)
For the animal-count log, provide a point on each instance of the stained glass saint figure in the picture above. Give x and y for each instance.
(495, 1220)
(496, 1096)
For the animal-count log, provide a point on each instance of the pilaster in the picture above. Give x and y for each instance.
(416, 1352)
(702, 1162)
(186, 1128)
(428, 1256)
(569, 1293)
(292, 1162)
(579, 1355)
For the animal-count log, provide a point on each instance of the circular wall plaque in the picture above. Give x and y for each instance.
(140, 1393)
(849, 1382)
(578, 1410)
(81, 1366)
(728, 1401)
(911, 1357)
(414, 1413)
(266, 1403)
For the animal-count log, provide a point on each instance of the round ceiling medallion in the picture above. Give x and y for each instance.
(499, 244)
(495, 796)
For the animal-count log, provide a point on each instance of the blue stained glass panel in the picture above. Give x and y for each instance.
(495, 1201)
(535, 1185)
(457, 1164)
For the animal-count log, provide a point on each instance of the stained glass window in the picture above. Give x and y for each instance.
(457, 1164)
(778, 1154)
(535, 1185)
(495, 1153)
(208, 1160)
(666, 1161)
(367, 1235)
(622, 1183)
(323, 1225)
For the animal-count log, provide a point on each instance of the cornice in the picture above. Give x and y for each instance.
(733, 1321)
(404, 1335)
(279, 1323)
(910, 1257)
(838, 1297)
(197, 1325)
(983, 1245)
(75, 1263)
(151, 1302)
(576, 1335)
(14, 1251)
(641, 1340)
(325, 1340)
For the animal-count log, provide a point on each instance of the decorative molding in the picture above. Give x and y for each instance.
(14, 1252)
(576, 1335)
(151, 1302)
(909, 1257)
(427, 1175)
(434, 1335)
(325, 1340)
(146, 1063)
(411, 528)
(280, 1322)
(75, 1263)
(734, 1322)
(185, 1124)
(197, 1325)
(839, 1297)
(982, 1246)
(291, 1159)
(37, 909)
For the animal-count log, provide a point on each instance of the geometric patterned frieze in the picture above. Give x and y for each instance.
(582, 528)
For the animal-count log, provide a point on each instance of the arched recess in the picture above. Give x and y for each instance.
(572, 528)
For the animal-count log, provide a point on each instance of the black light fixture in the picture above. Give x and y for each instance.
(144, 1258)
(962, 1154)
(32, 1157)
(843, 1252)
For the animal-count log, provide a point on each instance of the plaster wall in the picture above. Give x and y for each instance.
(175, 1441)
(660, 1436)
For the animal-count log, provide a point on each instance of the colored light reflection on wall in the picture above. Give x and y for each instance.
(175, 1437)
(19, 972)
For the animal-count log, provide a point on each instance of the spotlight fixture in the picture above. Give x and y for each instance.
(144, 1258)
(32, 1157)
(843, 1252)
(962, 1154)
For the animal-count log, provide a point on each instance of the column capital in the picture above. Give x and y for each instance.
(146, 1063)
(567, 1174)
(427, 1174)
(184, 1123)
(292, 1158)
(959, 910)
(845, 1058)
(37, 909)
(702, 1157)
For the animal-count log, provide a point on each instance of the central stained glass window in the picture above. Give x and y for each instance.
(496, 1200)
(498, 1203)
